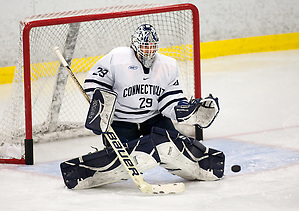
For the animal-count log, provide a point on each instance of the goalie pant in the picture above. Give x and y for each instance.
(180, 155)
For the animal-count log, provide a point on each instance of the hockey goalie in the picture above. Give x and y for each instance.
(136, 91)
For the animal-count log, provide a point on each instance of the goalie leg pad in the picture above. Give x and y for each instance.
(187, 157)
(103, 167)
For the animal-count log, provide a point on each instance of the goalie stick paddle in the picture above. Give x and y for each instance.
(122, 154)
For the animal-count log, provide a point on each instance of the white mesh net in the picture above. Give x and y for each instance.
(58, 108)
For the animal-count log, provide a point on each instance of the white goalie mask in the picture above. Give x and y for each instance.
(145, 42)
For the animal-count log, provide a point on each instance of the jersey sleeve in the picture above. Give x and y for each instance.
(171, 96)
(100, 75)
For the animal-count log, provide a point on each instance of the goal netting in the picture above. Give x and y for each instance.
(46, 105)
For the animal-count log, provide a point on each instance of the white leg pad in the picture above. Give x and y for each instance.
(186, 157)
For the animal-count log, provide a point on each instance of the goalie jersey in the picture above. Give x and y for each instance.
(141, 94)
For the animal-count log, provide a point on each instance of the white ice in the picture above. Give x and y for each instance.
(257, 128)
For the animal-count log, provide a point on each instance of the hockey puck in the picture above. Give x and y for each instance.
(236, 168)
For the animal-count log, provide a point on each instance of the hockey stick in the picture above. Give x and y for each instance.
(121, 152)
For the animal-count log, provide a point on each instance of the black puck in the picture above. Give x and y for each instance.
(236, 168)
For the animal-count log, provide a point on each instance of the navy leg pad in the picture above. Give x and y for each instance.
(105, 167)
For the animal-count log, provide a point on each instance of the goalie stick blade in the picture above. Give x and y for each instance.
(168, 188)
(161, 189)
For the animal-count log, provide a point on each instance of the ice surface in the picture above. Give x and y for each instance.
(257, 128)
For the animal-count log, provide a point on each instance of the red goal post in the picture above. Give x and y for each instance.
(179, 39)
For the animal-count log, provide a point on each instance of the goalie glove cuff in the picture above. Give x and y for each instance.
(184, 110)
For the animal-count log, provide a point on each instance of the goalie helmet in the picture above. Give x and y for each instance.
(145, 42)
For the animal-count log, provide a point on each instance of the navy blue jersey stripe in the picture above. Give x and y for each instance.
(169, 93)
(132, 112)
(89, 90)
(170, 102)
(99, 83)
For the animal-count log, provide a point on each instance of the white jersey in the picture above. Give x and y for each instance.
(140, 95)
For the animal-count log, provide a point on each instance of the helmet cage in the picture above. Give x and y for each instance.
(145, 42)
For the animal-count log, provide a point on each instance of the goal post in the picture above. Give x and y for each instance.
(50, 107)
